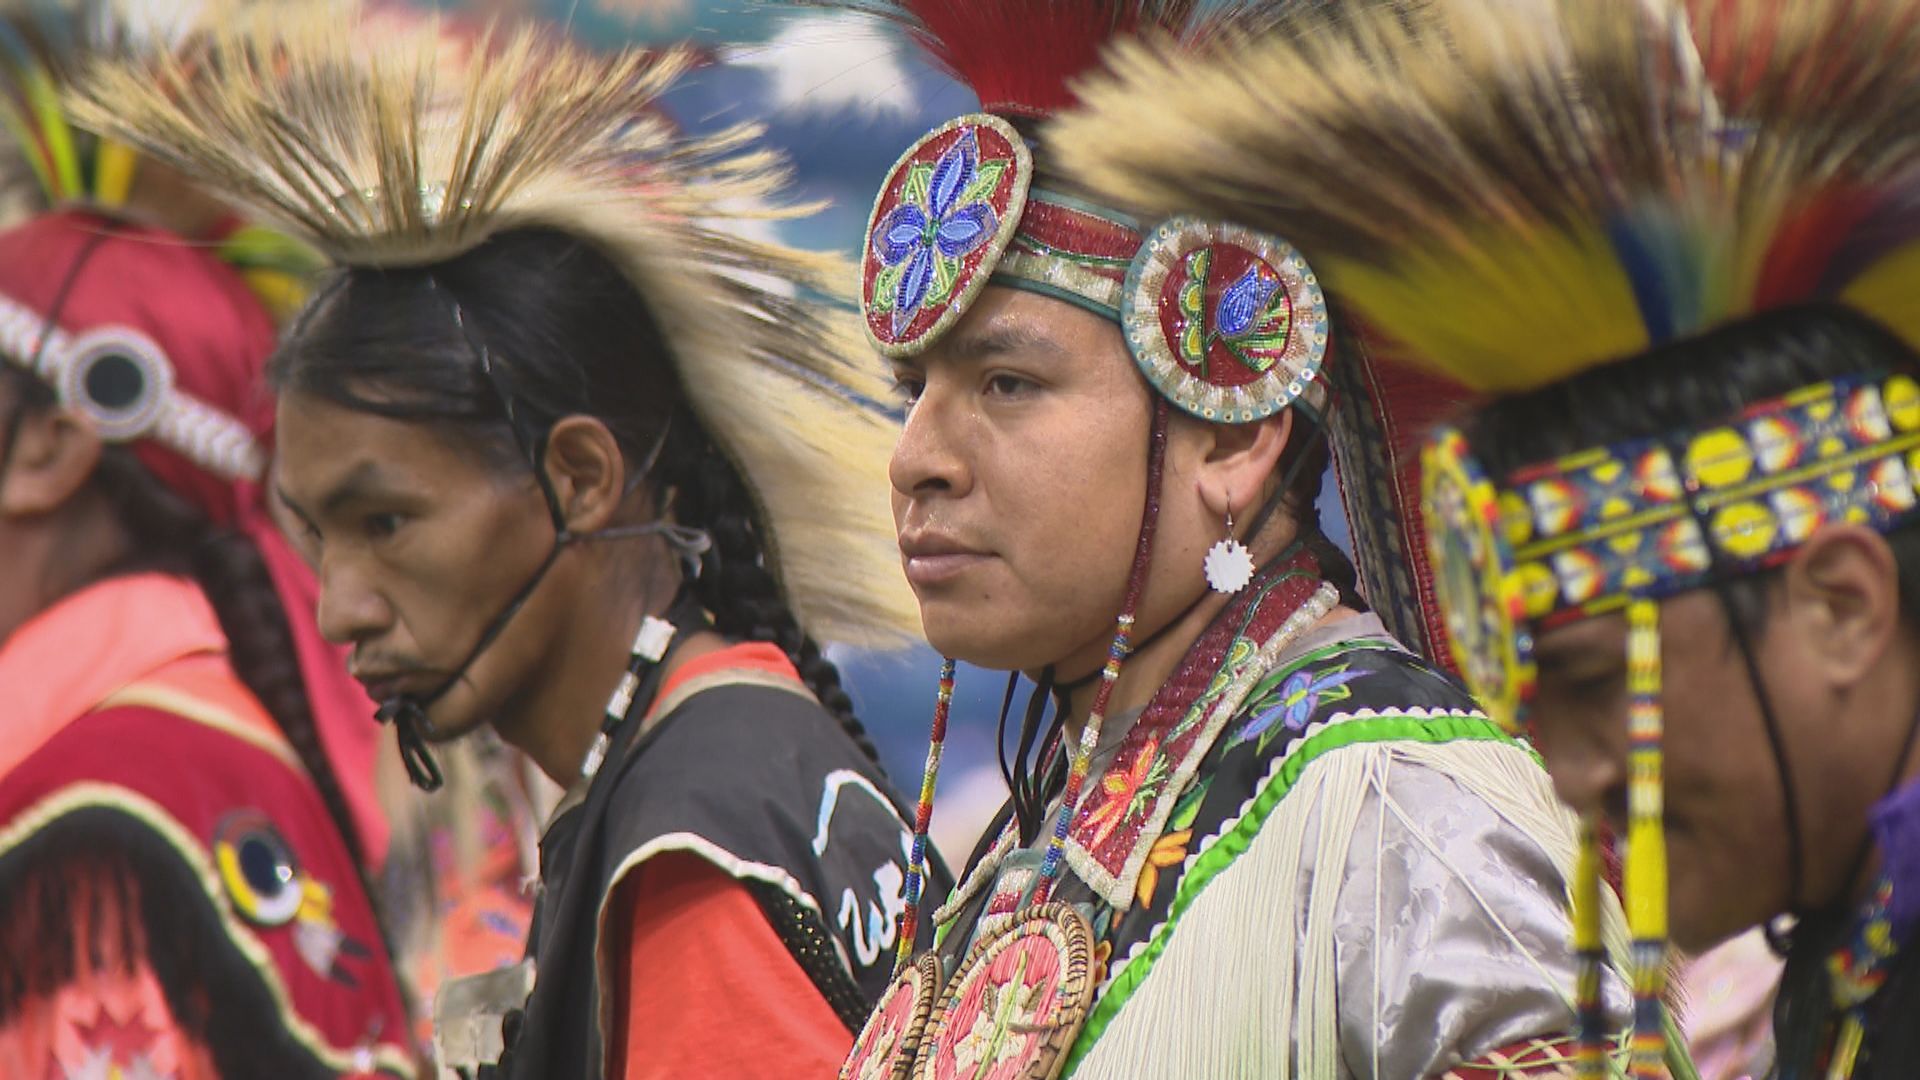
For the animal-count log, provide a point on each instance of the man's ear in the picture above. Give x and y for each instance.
(587, 471)
(54, 453)
(1234, 472)
(1842, 596)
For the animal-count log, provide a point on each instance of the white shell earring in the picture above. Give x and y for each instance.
(1229, 564)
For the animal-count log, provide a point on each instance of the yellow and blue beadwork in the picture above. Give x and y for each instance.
(1585, 534)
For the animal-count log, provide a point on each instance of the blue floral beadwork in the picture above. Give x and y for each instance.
(932, 234)
(1295, 703)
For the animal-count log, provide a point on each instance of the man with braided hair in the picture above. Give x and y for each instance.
(184, 810)
(573, 466)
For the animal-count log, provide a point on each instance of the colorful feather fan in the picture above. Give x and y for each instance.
(1526, 194)
(45, 163)
(396, 144)
(42, 42)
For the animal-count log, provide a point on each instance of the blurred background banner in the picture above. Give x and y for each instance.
(842, 98)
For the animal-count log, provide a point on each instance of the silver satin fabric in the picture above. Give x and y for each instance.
(1439, 982)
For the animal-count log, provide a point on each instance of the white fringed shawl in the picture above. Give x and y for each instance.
(1245, 984)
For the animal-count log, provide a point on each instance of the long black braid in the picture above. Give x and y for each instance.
(735, 585)
(171, 536)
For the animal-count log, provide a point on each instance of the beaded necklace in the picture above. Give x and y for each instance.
(1858, 970)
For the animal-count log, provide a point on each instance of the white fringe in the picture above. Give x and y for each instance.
(1239, 991)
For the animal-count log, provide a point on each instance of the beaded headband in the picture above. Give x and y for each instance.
(1228, 323)
(1590, 532)
(121, 380)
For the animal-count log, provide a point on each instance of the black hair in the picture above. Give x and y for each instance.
(565, 333)
(1305, 460)
(1696, 383)
(172, 536)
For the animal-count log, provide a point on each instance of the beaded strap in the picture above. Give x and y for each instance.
(1590, 1056)
(1116, 657)
(1646, 861)
(923, 819)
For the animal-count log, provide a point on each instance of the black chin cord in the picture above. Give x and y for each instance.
(408, 712)
(1778, 938)
(1721, 574)
(1027, 779)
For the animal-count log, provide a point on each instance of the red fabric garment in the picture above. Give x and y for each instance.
(747, 656)
(116, 278)
(146, 794)
(707, 988)
(171, 795)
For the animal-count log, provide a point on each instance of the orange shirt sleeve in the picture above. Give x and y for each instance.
(704, 987)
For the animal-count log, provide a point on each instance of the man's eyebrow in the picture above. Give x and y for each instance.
(1000, 339)
(287, 501)
(363, 480)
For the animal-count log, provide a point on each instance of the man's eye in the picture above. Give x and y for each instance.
(1588, 686)
(909, 389)
(1008, 386)
(381, 526)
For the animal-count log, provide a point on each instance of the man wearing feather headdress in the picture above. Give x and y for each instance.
(1680, 533)
(1261, 838)
(575, 464)
(185, 807)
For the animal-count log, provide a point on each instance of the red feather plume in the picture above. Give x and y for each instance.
(1022, 56)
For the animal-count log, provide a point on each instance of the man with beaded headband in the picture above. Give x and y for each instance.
(572, 465)
(1260, 838)
(1679, 533)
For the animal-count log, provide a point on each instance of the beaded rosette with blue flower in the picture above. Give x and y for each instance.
(943, 219)
(1230, 324)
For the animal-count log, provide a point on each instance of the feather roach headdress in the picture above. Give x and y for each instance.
(406, 147)
(1519, 196)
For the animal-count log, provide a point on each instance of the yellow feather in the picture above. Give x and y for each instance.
(1889, 290)
(113, 171)
(1522, 189)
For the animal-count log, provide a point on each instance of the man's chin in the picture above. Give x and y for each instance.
(447, 725)
(982, 646)
(1696, 933)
